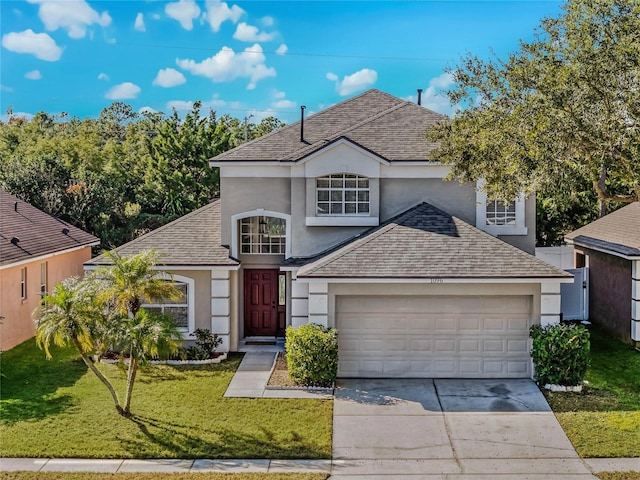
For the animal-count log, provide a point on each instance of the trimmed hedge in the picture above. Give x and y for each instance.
(312, 355)
(560, 353)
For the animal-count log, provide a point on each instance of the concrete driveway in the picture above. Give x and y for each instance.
(453, 429)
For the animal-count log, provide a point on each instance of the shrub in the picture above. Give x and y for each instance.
(312, 355)
(560, 353)
(207, 342)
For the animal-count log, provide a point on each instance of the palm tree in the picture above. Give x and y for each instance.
(126, 284)
(69, 316)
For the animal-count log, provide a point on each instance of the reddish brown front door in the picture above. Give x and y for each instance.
(260, 302)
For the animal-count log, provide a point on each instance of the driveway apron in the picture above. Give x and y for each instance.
(449, 429)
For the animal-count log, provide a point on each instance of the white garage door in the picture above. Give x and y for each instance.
(437, 337)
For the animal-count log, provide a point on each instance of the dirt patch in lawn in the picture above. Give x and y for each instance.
(280, 375)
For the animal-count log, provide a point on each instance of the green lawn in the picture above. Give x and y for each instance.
(604, 420)
(157, 476)
(57, 408)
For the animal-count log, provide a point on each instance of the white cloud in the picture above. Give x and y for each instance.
(103, 76)
(249, 33)
(356, 81)
(226, 65)
(184, 11)
(33, 75)
(219, 12)
(39, 44)
(4, 88)
(169, 77)
(123, 91)
(278, 94)
(73, 15)
(27, 116)
(267, 21)
(179, 105)
(435, 98)
(284, 104)
(147, 109)
(139, 24)
(282, 49)
(156, 16)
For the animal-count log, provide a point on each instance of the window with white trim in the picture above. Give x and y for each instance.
(497, 217)
(501, 213)
(342, 194)
(263, 235)
(178, 309)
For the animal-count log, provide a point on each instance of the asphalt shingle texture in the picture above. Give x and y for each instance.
(38, 233)
(388, 126)
(618, 232)
(191, 240)
(425, 242)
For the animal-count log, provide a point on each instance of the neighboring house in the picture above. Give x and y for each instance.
(610, 247)
(342, 220)
(36, 252)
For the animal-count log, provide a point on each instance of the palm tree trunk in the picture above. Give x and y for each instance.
(131, 378)
(99, 374)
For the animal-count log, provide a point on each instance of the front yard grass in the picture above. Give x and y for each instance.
(57, 408)
(604, 420)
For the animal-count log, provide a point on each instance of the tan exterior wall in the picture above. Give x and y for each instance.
(202, 292)
(17, 324)
(525, 242)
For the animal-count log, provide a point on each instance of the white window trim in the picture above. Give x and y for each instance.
(343, 189)
(260, 244)
(481, 215)
(342, 221)
(191, 301)
(260, 212)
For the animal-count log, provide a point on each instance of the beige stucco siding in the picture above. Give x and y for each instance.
(17, 324)
(525, 242)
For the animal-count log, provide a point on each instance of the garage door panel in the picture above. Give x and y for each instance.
(419, 337)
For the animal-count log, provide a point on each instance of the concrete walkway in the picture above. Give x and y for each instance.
(250, 380)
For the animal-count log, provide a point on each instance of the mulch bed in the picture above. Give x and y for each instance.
(280, 375)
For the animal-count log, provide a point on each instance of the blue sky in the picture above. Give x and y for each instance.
(244, 58)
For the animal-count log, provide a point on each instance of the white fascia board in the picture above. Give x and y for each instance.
(255, 171)
(342, 221)
(250, 163)
(343, 141)
(289, 269)
(48, 255)
(433, 281)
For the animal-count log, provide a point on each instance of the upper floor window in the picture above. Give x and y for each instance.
(501, 213)
(342, 194)
(500, 218)
(263, 235)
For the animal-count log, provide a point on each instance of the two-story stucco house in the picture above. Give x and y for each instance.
(341, 219)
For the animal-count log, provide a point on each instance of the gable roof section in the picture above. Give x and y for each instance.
(191, 240)
(425, 242)
(617, 233)
(39, 233)
(387, 126)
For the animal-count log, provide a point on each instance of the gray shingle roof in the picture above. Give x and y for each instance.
(618, 232)
(425, 242)
(191, 240)
(392, 128)
(38, 233)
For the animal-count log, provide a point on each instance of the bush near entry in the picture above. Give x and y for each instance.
(312, 355)
(560, 353)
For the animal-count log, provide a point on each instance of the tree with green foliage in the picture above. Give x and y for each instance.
(561, 112)
(105, 309)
